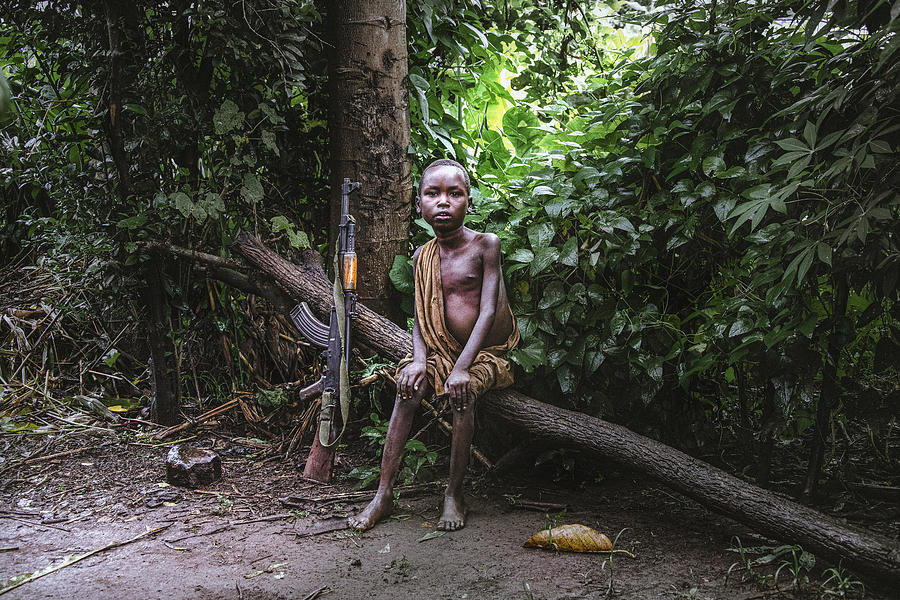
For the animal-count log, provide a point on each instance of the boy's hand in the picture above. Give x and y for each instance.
(457, 387)
(411, 378)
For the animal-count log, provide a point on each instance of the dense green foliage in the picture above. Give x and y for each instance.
(698, 202)
(147, 122)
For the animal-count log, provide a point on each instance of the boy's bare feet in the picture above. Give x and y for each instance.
(380, 507)
(454, 516)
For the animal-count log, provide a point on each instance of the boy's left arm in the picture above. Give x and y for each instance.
(457, 383)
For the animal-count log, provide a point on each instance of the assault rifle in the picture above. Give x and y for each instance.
(335, 339)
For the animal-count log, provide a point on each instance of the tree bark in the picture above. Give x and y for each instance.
(114, 18)
(166, 399)
(166, 395)
(828, 396)
(771, 514)
(370, 136)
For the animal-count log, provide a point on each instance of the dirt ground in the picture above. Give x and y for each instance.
(237, 539)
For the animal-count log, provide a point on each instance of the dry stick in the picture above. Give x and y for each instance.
(315, 593)
(363, 495)
(193, 422)
(230, 525)
(40, 337)
(326, 528)
(79, 558)
(269, 518)
(539, 506)
(32, 461)
(202, 534)
(34, 523)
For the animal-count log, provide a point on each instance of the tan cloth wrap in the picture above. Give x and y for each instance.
(489, 370)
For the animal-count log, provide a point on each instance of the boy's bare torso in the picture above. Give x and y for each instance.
(462, 278)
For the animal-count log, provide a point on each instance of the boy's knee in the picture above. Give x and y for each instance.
(406, 402)
(414, 400)
(466, 413)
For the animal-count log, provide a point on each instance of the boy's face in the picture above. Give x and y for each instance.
(443, 200)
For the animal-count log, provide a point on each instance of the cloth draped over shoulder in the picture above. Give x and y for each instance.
(489, 370)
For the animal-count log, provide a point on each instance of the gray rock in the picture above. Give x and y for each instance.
(192, 467)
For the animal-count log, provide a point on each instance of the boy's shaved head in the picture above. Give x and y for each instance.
(446, 162)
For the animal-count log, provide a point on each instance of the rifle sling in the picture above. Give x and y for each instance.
(327, 413)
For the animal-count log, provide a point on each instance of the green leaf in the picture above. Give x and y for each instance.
(401, 274)
(5, 94)
(251, 190)
(566, 378)
(793, 145)
(586, 175)
(731, 173)
(269, 141)
(132, 222)
(788, 158)
(478, 33)
(809, 134)
(569, 254)
(182, 203)
(540, 235)
(563, 312)
(530, 356)
(214, 205)
(618, 322)
(798, 166)
(592, 361)
(880, 147)
(553, 295)
(418, 82)
(705, 189)
(758, 192)
(623, 223)
(560, 207)
(522, 255)
(543, 258)
(824, 252)
(723, 207)
(135, 108)
(227, 117)
(712, 165)
(297, 239)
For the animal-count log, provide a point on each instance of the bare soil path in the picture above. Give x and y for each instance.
(216, 544)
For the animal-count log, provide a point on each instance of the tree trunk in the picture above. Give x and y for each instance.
(828, 396)
(370, 136)
(166, 398)
(114, 20)
(769, 513)
(166, 392)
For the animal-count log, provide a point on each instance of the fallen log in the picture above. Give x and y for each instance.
(867, 553)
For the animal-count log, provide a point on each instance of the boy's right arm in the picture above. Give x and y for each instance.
(412, 377)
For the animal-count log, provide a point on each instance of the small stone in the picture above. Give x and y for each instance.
(192, 467)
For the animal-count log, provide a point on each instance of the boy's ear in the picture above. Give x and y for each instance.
(471, 208)
(418, 205)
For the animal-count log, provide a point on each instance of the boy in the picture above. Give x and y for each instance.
(462, 325)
